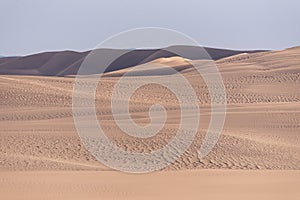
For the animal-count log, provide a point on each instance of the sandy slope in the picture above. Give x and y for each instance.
(261, 131)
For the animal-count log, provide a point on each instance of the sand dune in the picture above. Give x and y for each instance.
(66, 63)
(261, 131)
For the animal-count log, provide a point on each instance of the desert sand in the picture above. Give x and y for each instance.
(192, 184)
(257, 155)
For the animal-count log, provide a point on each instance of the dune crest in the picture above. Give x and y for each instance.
(67, 63)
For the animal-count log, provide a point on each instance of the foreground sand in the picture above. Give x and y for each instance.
(261, 132)
(195, 184)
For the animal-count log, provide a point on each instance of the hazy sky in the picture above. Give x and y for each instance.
(31, 26)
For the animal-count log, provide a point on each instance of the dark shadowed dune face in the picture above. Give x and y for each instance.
(66, 63)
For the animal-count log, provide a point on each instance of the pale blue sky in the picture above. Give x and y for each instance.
(31, 26)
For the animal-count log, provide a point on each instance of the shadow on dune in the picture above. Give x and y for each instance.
(67, 63)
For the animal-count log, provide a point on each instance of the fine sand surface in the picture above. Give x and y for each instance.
(257, 155)
(192, 184)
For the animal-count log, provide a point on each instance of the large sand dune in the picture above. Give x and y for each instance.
(261, 131)
(66, 63)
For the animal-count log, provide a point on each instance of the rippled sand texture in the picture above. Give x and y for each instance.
(261, 130)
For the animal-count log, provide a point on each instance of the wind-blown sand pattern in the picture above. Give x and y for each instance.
(261, 132)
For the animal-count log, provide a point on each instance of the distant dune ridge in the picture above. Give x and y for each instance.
(66, 63)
